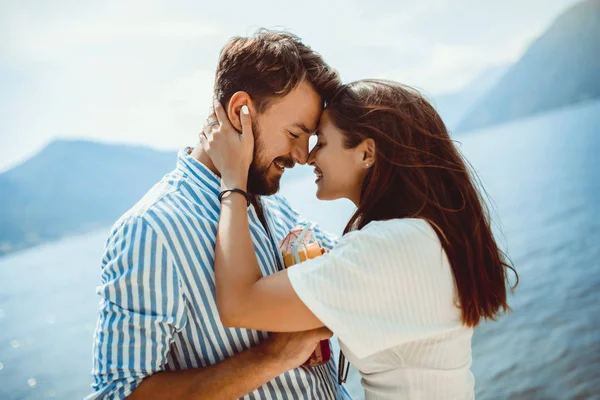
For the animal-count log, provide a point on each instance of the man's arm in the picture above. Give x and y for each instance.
(237, 375)
(143, 307)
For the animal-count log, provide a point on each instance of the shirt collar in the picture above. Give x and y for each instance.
(197, 172)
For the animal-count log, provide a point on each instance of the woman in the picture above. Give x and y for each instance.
(417, 268)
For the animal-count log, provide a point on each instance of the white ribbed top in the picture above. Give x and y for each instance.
(388, 293)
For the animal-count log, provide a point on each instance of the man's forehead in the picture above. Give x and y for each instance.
(303, 107)
(307, 119)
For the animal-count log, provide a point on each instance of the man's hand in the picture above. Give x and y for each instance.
(235, 376)
(292, 349)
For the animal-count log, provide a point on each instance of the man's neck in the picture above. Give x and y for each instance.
(200, 154)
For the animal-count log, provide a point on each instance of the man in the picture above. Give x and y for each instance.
(159, 334)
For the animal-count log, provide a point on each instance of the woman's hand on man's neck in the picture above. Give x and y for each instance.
(199, 154)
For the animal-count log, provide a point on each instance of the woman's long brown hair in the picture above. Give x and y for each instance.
(419, 173)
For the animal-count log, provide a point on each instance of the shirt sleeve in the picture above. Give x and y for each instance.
(141, 309)
(385, 285)
(325, 239)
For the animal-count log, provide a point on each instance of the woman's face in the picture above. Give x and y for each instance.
(339, 171)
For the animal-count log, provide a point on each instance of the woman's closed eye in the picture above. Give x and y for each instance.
(313, 142)
(315, 148)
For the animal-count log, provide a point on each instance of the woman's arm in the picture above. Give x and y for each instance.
(244, 297)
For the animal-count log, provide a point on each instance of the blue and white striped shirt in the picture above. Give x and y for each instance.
(157, 310)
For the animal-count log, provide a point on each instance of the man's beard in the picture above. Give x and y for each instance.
(260, 181)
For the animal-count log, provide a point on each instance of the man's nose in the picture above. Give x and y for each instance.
(311, 157)
(300, 153)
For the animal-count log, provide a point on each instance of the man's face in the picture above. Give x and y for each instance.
(281, 135)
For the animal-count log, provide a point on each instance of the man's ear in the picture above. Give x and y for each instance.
(234, 108)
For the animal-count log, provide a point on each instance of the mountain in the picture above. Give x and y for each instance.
(454, 105)
(561, 67)
(74, 186)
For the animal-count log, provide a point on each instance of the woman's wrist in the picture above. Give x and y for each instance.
(234, 183)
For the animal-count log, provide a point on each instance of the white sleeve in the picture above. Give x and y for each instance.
(388, 284)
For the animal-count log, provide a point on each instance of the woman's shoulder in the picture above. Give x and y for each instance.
(401, 235)
(411, 229)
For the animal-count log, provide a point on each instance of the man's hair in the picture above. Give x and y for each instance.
(270, 64)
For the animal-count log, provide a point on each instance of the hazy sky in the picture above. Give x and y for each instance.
(142, 72)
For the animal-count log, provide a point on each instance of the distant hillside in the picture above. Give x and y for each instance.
(74, 186)
(455, 105)
(561, 67)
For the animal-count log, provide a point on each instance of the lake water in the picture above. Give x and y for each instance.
(543, 175)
